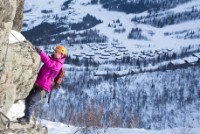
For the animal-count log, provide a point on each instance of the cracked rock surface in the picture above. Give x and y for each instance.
(19, 64)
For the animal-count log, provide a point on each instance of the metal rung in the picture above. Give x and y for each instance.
(7, 124)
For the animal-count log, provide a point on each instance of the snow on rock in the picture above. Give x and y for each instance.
(17, 110)
(15, 37)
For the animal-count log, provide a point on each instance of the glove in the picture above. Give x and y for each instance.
(38, 50)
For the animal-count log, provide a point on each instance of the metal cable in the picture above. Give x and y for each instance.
(7, 123)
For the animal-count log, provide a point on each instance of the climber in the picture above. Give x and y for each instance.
(44, 82)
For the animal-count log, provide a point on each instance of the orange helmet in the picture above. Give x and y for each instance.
(61, 49)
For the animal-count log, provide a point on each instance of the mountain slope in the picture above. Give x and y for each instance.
(117, 26)
(156, 100)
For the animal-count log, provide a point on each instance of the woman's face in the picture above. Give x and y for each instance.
(57, 55)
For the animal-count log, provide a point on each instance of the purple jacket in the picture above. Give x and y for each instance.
(48, 71)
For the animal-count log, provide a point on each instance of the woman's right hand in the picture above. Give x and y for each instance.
(38, 50)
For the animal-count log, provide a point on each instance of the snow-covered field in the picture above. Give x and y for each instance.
(60, 128)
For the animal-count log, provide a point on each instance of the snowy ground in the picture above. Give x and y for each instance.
(60, 128)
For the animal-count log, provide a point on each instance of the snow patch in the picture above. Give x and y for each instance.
(15, 37)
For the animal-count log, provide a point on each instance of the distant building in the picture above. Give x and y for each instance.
(172, 65)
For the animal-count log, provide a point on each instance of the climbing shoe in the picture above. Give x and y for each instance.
(23, 120)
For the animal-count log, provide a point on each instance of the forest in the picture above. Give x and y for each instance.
(161, 20)
(154, 100)
(138, 6)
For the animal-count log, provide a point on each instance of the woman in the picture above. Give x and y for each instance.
(47, 74)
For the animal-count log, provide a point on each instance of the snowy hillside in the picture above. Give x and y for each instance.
(115, 25)
(157, 100)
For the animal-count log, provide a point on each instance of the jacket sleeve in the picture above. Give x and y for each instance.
(54, 65)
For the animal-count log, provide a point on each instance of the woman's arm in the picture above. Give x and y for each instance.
(54, 65)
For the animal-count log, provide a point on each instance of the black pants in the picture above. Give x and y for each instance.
(34, 96)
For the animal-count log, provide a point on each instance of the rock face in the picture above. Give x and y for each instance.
(24, 129)
(19, 69)
(7, 14)
(18, 20)
(19, 62)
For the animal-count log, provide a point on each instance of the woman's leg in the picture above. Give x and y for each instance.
(33, 97)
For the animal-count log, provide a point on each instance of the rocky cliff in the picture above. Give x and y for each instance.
(19, 62)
